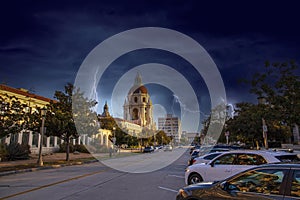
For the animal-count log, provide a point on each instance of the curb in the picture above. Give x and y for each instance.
(45, 167)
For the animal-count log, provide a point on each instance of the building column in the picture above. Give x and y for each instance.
(74, 141)
(39, 141)
(55, 141)
(106, 139)
(20, 135)
(48, 142)
(84, 139)
(30, 136)
(101, 138)
(88, 140)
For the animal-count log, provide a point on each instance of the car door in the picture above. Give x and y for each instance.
(294, 185)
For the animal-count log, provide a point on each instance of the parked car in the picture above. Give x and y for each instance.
(158, 147)
(210, 149)
(168, 148)
(194, 147)
(148, 149)
(232, 162)
(271, 181)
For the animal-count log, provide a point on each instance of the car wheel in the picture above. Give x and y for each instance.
(194, 178)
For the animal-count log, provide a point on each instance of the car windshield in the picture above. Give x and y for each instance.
(211, 156)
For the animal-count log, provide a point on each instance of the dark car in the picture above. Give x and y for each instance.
(271, 181)
(148, 149)
(194, 147)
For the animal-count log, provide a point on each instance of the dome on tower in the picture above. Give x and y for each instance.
(142, 89)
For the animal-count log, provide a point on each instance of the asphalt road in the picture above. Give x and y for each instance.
(97, 181)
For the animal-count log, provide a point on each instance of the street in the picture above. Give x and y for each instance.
(96, 181)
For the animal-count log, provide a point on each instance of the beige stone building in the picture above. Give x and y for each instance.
(138, 105)
(50, 144)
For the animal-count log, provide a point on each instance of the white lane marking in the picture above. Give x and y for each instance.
(175, 176)
(168, 189)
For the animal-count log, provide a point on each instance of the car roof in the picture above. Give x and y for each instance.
(262, 152)
(212, 153)
(269, 155)
(277, 165)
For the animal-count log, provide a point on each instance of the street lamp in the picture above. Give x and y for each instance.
(262, 101)
(114, 139)
(40, 159)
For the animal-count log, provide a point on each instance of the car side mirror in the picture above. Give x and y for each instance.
(212, 164)
(224, 185)
(228, 187)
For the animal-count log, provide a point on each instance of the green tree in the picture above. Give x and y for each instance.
(161, 138)
(121, 137)
(12, 115)
(60, 120)
(108, 123)
(279, 84)
(84, 114)
(246, 125)
(213, 124)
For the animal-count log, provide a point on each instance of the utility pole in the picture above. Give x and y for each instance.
(265, 133)
(40, 159)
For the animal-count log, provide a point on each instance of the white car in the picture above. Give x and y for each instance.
(168, 148)
(232, 162)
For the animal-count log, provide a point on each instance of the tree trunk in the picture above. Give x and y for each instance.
(68, 149)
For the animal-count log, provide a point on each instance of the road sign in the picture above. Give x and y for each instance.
(227, 133)
(265, 128)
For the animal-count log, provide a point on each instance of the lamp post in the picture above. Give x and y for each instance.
(114, 140)
(40, 159)
(262, 101)
(265, 133)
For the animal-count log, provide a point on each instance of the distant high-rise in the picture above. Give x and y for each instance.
(171, 125)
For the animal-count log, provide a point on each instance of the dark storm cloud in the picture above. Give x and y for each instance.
(43, 43)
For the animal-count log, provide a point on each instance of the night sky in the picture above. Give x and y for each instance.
(43, 43)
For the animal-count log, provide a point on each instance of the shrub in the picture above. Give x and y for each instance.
(16, 151)
(63, 148)
(81, 148)
(77, 147)
(3, 152)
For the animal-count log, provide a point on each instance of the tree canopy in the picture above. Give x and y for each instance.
(277, 87)
(14, 116)
(60, 119)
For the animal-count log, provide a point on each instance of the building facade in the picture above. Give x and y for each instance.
(171, 125)
(137, 107)
(50, 144)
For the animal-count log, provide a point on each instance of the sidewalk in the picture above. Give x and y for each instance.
(54, 160)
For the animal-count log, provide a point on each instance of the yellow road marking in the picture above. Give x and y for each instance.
(52, 184)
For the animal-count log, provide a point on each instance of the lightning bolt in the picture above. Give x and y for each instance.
(232, 110)
(183, 106)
